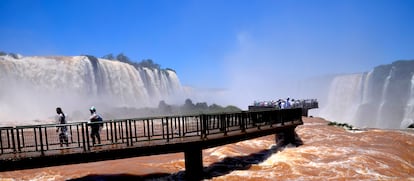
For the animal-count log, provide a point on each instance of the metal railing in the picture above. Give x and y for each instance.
(302, 103)
(127, 132)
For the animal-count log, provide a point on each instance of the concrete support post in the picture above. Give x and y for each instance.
(193, 163)
(305, 112)
(286, 136)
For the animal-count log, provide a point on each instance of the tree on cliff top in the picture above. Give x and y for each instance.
(149, 63)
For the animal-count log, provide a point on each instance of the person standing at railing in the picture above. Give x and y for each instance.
(288, 103)
(63, 135)
(95, 127)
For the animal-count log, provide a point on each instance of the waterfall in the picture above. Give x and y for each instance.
(409, 109)
(345, 95)
(366, 98)
(382, 98)
(32, 87)
(382, 105)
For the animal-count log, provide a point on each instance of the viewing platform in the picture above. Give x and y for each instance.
(304, 104)
(33, 146)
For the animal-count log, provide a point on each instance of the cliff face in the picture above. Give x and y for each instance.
(31, 87)
(383, 97)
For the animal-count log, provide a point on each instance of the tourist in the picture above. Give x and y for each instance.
(95, 127)
(287, 104)
(63, 135)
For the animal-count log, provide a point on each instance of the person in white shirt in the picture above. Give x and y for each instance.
(95, 127)
(63, 135)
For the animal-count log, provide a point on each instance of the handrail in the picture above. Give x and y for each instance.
(43, 139)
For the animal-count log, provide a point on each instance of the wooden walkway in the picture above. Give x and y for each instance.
(34, 146)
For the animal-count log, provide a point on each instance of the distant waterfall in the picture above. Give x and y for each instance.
(31, 87)
(383, 97)
(345, 94)
(409, 110)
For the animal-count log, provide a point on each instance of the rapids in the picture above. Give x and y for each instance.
(327, 153)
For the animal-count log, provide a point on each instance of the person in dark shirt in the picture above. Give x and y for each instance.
(95, 127)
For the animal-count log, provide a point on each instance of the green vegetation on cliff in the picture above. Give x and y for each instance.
(149, 63)
(164, 109)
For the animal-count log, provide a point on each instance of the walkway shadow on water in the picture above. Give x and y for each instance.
(217, 169)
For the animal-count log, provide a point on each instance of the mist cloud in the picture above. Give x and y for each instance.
(257, 71)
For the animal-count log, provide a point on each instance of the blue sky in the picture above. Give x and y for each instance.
(213, 43)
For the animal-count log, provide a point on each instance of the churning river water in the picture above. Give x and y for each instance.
(327, 153)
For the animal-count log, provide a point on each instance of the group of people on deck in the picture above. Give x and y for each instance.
(280, 104)
(93, 119)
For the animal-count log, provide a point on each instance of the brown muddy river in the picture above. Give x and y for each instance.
(327, 153)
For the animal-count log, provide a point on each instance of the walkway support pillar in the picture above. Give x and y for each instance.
(193, 163)
(305, 112)
(287, 136)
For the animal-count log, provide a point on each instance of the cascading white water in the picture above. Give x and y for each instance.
(366, 97)
(32, 87)
(122, 84)
(384, 98)
(409, 109)
(344, 98)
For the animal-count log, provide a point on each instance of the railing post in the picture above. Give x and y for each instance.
(111, 128)
(121, 131)
(127, 132)
(168, 130)
(77, 134)
(46, 140)
(243, 121)
(172, 127)
(131, 139)
(71, 133)
(225, 121)
(1, 142)
(83, 136)
(22, 142)
(18, 139)
(205, 125)
(221, 122)
(8, 137)
(87, 136)
(135, 128)
(41, 141)
(35, 138)
(173, 124)
(162, 128)
(185, 124)
(107, 130)
(115, 132)
(199, 123)
(148, 129)
(200, 128)
(152, 126)
(13, 140)
(179, 127)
